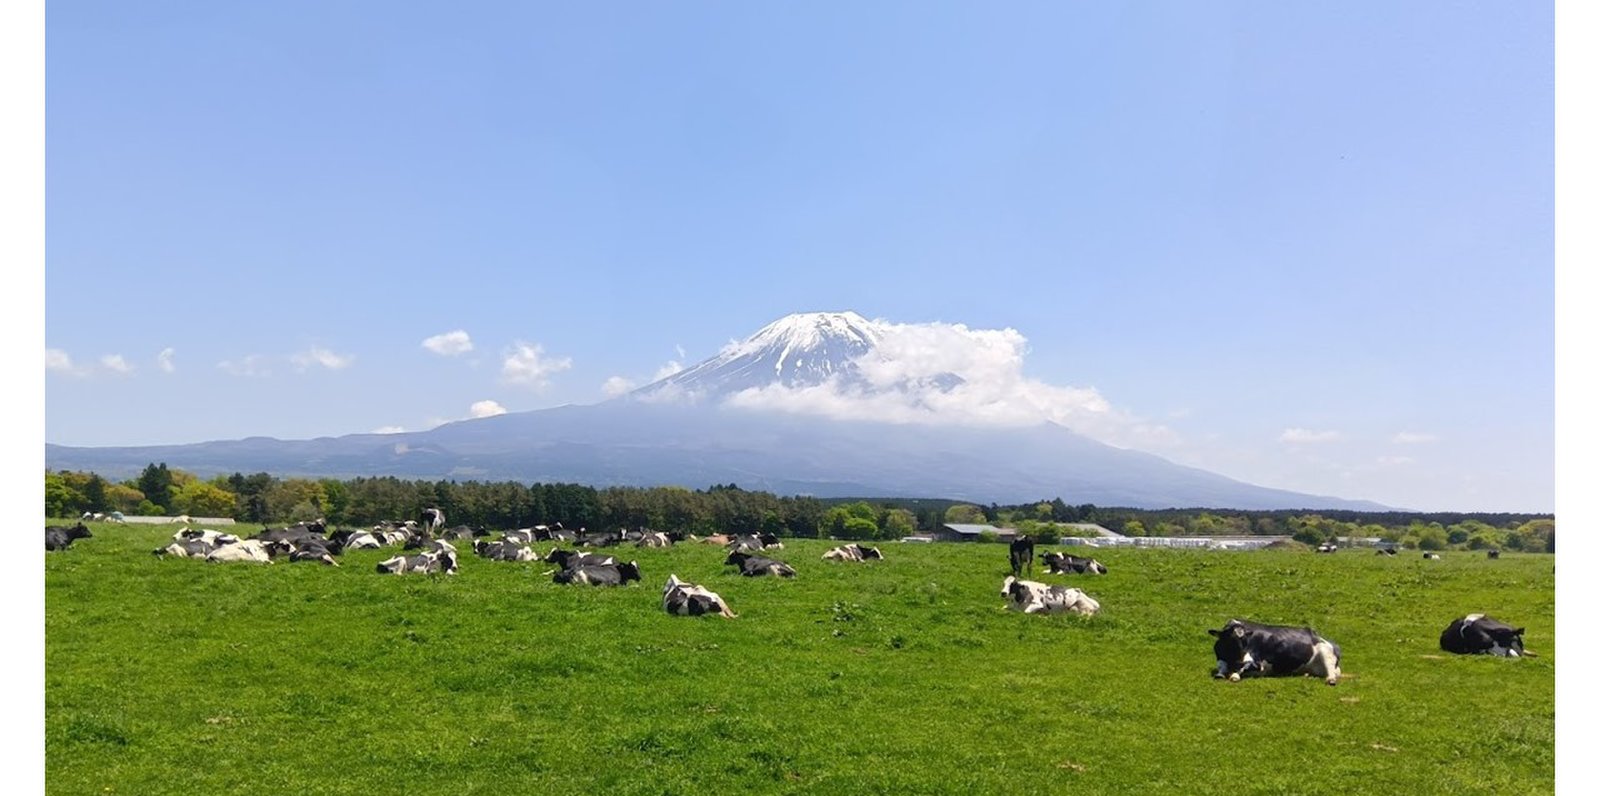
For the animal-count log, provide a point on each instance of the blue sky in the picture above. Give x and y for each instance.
(1315, 245)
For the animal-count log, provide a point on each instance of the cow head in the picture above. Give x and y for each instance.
(446, 560)
(871, 552)
(392, 566)
(1507, 641)
(672, 583)
(736, 559)
(1232, 650)
(630, 571)
(1010, 587)
(79, 531)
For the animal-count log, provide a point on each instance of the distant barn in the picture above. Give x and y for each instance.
(954, 532)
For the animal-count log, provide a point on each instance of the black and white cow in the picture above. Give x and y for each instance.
(1494, 553)
(1068, 564)
(61, 537)
(504, 550)
(1021, 555)
(1481, 634)
(654, 539)
(1387, 551)
(599, 574)
(1033, 597)
(1430, 556)
(463, 533)
(186, 548)
(852, 552)
(687, 599)
(213, 538)
(430, 563)
(432, 519)
(313, 551)
(252, 551)
(751, 565)
(1248, 649)
(355, 539)
(568, 559)
(1327, 547)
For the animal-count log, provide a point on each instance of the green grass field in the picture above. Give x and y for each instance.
(897, 677)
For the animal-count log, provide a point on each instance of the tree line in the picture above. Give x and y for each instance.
(264, 498)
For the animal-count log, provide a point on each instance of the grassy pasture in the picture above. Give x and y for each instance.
(900, 676)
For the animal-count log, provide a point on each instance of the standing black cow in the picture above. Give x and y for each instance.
(1021, 555)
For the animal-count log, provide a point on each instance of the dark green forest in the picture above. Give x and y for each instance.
(264, 498)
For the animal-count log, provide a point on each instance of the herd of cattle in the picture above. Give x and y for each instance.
(1242, 649)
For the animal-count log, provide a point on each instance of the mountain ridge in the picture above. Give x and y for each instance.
(685, 430)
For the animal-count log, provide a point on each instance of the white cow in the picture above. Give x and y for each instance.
(210, 537)
(1033, 597)
(687, 599)
(252, 550)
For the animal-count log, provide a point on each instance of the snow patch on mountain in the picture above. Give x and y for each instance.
(844, 366)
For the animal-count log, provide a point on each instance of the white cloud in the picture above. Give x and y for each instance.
(948, 373)
(616, 385)
(57, 360)
(253, 366)
(1413, 438)
(1307, 436)
(526, 364)
(116, 364)
(486, 409)
(449, 344)
(316, 355)
(669, 369)
(389, 430)
(164, 360)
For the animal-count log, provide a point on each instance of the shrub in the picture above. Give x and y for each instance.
(988, 537)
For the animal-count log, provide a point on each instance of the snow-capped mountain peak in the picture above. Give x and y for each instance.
(798, 350)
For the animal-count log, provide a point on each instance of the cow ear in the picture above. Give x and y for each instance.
(1217, 633)
(1519, 631)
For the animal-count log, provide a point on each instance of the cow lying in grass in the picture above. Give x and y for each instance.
(430, 563)
(1247, 649)
(687, 599)
(1067, 564)
(599, 574)
(61, 537)
(504, 550)
(252, 551)
(852, 552)
(1481, 634)
(751, 566)
(1032, 597)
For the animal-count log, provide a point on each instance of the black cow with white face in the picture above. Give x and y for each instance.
(1247, 649)
(1481, 634)
(1068, 564)
(61, 537)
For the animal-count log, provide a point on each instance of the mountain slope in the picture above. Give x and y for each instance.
(680, 431)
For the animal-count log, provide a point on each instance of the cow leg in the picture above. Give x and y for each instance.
(1325, 663)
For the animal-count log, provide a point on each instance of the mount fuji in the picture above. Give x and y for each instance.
(829, 404)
